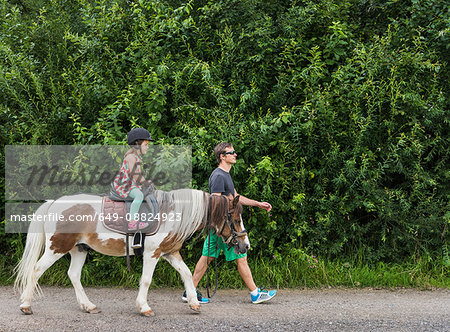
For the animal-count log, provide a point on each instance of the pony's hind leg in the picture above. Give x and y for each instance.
(178, 264)
(76, 264)
(47, 260)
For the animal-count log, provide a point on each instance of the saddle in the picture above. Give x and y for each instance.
(115, 213)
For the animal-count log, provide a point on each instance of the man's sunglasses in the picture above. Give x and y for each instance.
(230, 152)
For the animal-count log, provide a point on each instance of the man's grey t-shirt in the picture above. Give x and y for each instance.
(221, 182)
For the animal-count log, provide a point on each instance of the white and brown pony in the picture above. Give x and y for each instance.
(53, 228)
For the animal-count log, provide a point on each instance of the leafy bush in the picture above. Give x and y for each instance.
(338, 109)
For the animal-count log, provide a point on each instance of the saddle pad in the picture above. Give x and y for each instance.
(114, 217)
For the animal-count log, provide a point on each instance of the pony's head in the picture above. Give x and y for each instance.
(227, 215)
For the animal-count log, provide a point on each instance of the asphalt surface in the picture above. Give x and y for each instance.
(231, 310)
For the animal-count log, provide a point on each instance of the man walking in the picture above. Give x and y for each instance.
(220, 183)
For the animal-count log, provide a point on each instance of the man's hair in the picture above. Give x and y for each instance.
(220, 148)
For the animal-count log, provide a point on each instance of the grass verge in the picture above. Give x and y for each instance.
(283, 272)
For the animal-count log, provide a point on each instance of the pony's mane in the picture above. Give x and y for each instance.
(193, 205)
(190, 204)
(219, 205)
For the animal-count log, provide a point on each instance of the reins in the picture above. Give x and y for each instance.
(208, 225)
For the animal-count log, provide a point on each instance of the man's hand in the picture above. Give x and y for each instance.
(264, 205)
(250, 202)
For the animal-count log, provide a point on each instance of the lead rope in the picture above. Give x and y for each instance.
(215, 271)
(207, 258)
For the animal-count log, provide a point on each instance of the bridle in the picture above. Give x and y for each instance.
(231, 241)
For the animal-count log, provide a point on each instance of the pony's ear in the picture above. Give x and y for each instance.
(236, 201)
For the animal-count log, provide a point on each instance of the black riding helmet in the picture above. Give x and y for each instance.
(138, 134)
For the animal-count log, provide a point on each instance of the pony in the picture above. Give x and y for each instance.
(71, 223)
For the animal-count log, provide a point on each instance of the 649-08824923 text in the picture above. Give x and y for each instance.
(55, 217)
(164, 217)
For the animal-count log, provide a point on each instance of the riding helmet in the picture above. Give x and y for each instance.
(138, 133)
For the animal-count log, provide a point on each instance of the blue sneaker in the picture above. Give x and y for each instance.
(200, 298)
(263, 295)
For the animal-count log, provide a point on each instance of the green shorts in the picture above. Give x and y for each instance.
(230, 255)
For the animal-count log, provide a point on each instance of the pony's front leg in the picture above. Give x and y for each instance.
(146, 279)
(178, 264)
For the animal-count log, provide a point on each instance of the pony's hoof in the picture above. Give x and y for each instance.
(148, 313)
(94, 311)
(195, 307)
(26, 310)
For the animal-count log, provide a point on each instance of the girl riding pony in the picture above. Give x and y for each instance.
(129, 181)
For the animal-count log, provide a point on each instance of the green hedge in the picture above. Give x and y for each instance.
(338, 109)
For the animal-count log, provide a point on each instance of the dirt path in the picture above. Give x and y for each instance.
(231, 310)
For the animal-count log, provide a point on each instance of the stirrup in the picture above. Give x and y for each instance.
(137, 240)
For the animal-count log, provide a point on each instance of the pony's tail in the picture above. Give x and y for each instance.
(24, 271)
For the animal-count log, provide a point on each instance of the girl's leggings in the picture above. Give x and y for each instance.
(138, 198)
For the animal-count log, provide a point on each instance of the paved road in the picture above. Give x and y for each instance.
(231, 310)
